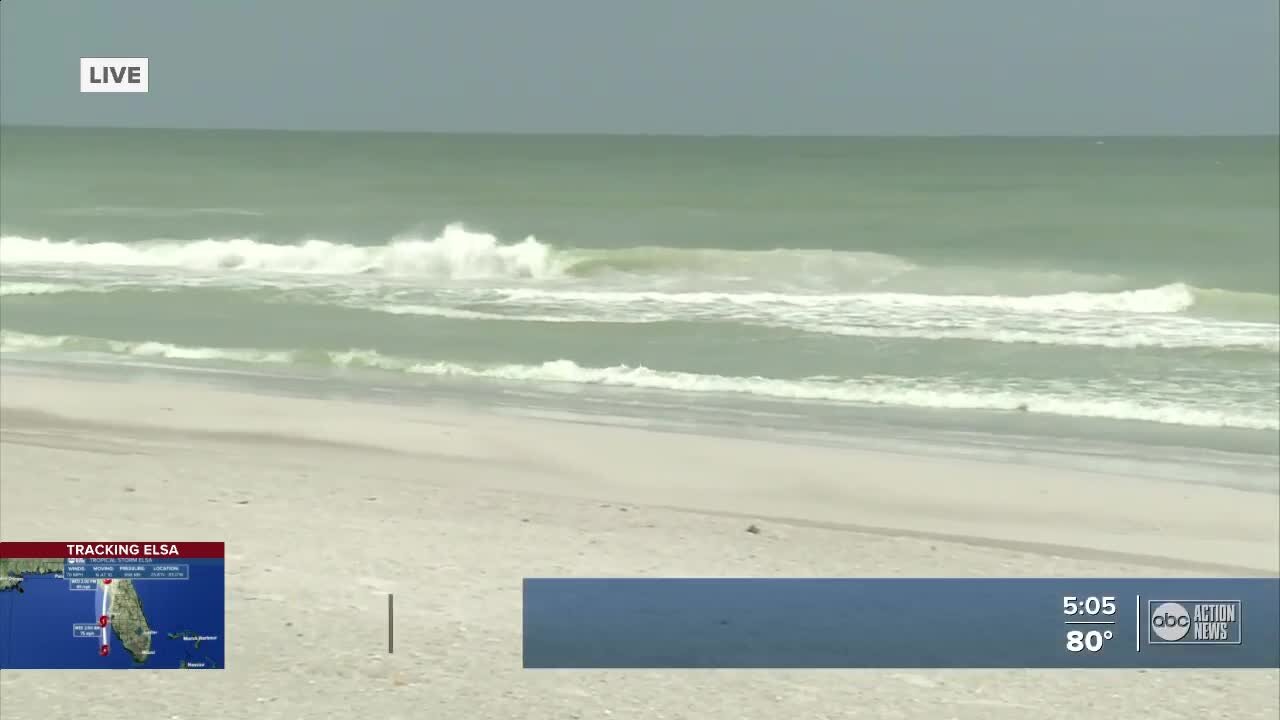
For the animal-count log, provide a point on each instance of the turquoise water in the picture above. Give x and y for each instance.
(1108, 288)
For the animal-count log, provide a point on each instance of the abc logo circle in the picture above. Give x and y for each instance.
(1170, 621)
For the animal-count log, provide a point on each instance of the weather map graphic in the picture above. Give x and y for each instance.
(93, 605)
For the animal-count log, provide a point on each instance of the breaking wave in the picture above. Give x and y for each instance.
(39, 288)
(1130, 319)
(922, 393)
(15, 342)
(793, 277)
(849, 294)
(456, 254)
(1171, 333)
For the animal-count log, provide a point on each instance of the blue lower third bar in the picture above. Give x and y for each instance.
(902, 623)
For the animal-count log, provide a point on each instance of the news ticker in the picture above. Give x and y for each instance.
(112, 605)
(655, 623)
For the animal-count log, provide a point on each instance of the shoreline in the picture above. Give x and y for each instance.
(886, 491)
(896, 431)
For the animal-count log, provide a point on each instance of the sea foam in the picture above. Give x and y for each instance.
(456, 253)
(1167, 405)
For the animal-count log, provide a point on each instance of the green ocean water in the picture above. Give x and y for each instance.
(1071, 287)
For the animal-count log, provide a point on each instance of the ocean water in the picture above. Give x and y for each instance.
(1081, 290)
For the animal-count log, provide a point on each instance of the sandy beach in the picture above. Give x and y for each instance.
(327, 505)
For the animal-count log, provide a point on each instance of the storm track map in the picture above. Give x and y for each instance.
(81, 605)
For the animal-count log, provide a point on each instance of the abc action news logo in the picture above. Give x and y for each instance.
(1194, 622)
(114, 75)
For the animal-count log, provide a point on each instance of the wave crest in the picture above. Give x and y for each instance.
(15, 342)
(889, 391)
(922, 393)
(457, 253)
(38, 288)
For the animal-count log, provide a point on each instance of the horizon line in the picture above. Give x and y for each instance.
(652, 135)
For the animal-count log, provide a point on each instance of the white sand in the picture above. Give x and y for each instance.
(328, 505)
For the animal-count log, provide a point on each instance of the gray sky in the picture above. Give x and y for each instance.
(934, 67)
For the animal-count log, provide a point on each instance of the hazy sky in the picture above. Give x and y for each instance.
(657, 66)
